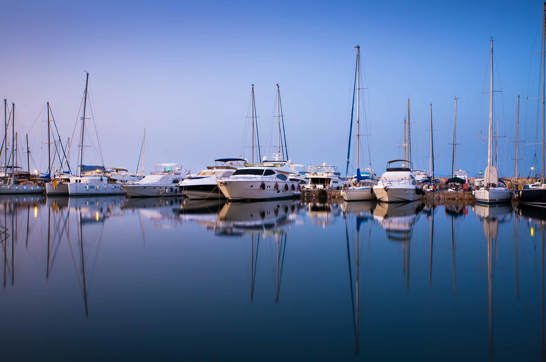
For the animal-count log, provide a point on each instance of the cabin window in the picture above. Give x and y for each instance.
(269, 172)
(281, 177)
(249, 171)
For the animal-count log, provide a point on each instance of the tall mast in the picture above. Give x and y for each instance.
(454, 144)
(5, 136)
(13, 161)
(357, 106)
(351, 123)
(405, 141)
(28, 156)
(279, 147)
(83, 121)
(253, 111)
(431, 147)
(409, 133)
(48, 141)
(490, 130)
(140, 154)
(516, 159)
(543, 88)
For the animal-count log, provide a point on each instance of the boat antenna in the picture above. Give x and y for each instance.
(351, 122)
(83, 122)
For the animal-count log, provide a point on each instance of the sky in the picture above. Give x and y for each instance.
(182, 70)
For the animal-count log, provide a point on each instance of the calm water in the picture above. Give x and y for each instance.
(110, 278)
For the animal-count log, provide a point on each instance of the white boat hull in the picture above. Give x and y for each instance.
(60, 189)
(20, 189)
(492, 195)
(151, 191)
(93, 189)
(358, 193)
(202, 191)
(396, 194)
(257, 190)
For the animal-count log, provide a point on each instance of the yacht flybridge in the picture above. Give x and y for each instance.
(397, 184)
(203, 185)
(159, 183)
(322, 177)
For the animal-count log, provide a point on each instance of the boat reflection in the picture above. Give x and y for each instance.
(204, 212)
(96, 209)
(398, 219)
(323, 214)
(237, 218)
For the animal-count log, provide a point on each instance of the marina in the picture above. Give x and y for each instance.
(273, 181)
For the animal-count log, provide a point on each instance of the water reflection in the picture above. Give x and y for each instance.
(186, 257)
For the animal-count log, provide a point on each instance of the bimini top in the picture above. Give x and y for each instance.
(399, 165)
(230, 159)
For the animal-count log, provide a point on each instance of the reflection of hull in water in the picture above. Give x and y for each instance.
(397, 219)
(358, 207)
(27, 199)
(532, 212)
(95, 209)
(150, 202)
(204, 206)
(257, 215)
(57, 202)
(323, 213)
(498, 211)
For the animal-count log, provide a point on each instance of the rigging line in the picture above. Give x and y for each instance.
(78, 118)
(351, 125)
(91, 109)
(38, 117)
(65, 157)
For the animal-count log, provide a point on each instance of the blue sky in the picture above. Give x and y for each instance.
(183, 70)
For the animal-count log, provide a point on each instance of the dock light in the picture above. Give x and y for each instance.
(36, 172)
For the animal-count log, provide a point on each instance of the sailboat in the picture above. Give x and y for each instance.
(535, 194)
(492, 190)
(90, 179)
(15, 182)
(58, 186)
(360, 187)
(270, 179)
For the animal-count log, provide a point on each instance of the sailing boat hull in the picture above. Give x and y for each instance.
(493, 195)
(89, 189)
(396, 194)
(534, 197)
(58, 189)
(362, 193)
(20, 189)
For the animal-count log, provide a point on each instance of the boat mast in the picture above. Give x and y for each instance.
(454, 137)
(405, 140)
(351, 124)
(357, 107)
(490, 130)
(409, 133)
(140, 154)
(28, 156)
(279, 147)
(5, 136)
(83, 121)
(543, 87)
(255, 134)
(13, 161)
(431, 147)
(48, 141)
(516, 159)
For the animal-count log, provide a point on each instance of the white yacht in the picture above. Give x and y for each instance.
(58, 186)
(158, 184)
(322, 177)
(203, 185)
(397, 184)
(360, 188)
(492, 190)
(269, 180)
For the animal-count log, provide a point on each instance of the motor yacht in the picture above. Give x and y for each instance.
(269, 180)
(397, 184)
(203, 185)
(322, 177)
(161, 183)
